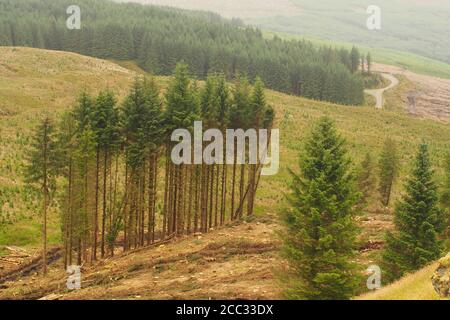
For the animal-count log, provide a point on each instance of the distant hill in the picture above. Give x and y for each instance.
(418, 26)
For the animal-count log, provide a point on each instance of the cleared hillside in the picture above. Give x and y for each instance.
(33, 80)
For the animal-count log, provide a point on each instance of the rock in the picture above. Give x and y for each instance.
(441, 277)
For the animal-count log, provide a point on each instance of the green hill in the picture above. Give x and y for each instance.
(402, 59)
(33, 80)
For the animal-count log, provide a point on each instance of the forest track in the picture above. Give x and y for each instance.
(378, 93)
(431, 97)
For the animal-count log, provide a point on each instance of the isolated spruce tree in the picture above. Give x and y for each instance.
(366, 179)
(445, 197)
(354, 58)
(319, 240)
(388, 166)
(41, 170)
(418, 221)
(369, 63)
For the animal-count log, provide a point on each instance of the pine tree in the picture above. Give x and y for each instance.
(369, 63)
(319, 240)
(182, 109)
(418, 222)
(354, 58)
(388, 166)
(366, 179)
(42, 170)
(445, 197)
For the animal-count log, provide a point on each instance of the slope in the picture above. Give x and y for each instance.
(416, 286)
(33, 80)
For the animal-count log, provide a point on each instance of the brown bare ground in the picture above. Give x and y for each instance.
(430, 100)
(235, 262)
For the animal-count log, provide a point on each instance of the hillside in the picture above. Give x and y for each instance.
(416, 286)
(399, 58)
(418, 27)
(33, 80)
(236, 262)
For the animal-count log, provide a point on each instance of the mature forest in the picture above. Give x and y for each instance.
(107, 167)
(157, 38)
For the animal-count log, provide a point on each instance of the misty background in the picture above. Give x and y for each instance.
(417, 26)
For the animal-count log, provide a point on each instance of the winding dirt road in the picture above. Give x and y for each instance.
(378, 93)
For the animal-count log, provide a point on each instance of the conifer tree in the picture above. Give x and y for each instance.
(445, 197)
(42, 169)
(388, 167)
(366, 179)
(182, 109)
(319, 240)
(105, 124)
(418, 222)
(369, 63)
(354, 58)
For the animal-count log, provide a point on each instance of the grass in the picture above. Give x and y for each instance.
(31, 82)
(413, 62)
(416, 286)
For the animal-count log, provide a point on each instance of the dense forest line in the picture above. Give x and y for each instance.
(157, 38)
(108, 169)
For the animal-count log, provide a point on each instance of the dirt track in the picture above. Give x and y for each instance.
(431, 99)
(378, 93)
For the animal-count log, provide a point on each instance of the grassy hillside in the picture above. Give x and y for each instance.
(416, 286)
(34, 80)
(402, 59)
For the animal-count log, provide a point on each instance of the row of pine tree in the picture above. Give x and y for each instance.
(325, 199)
(111, 163)
(157, 38)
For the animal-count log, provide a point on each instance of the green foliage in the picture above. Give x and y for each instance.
(354, 59)
(42, 157)
(445, 197)
(142, 121)
(418, 220)
(366, 179)
(420, 27)
(388, 166)
(181, 100)
(159, 38)
(104, 120)
(319, 240)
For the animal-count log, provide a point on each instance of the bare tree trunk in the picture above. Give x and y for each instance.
(45, 187)
(233, 185)
(105, 168)
(94, 245)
